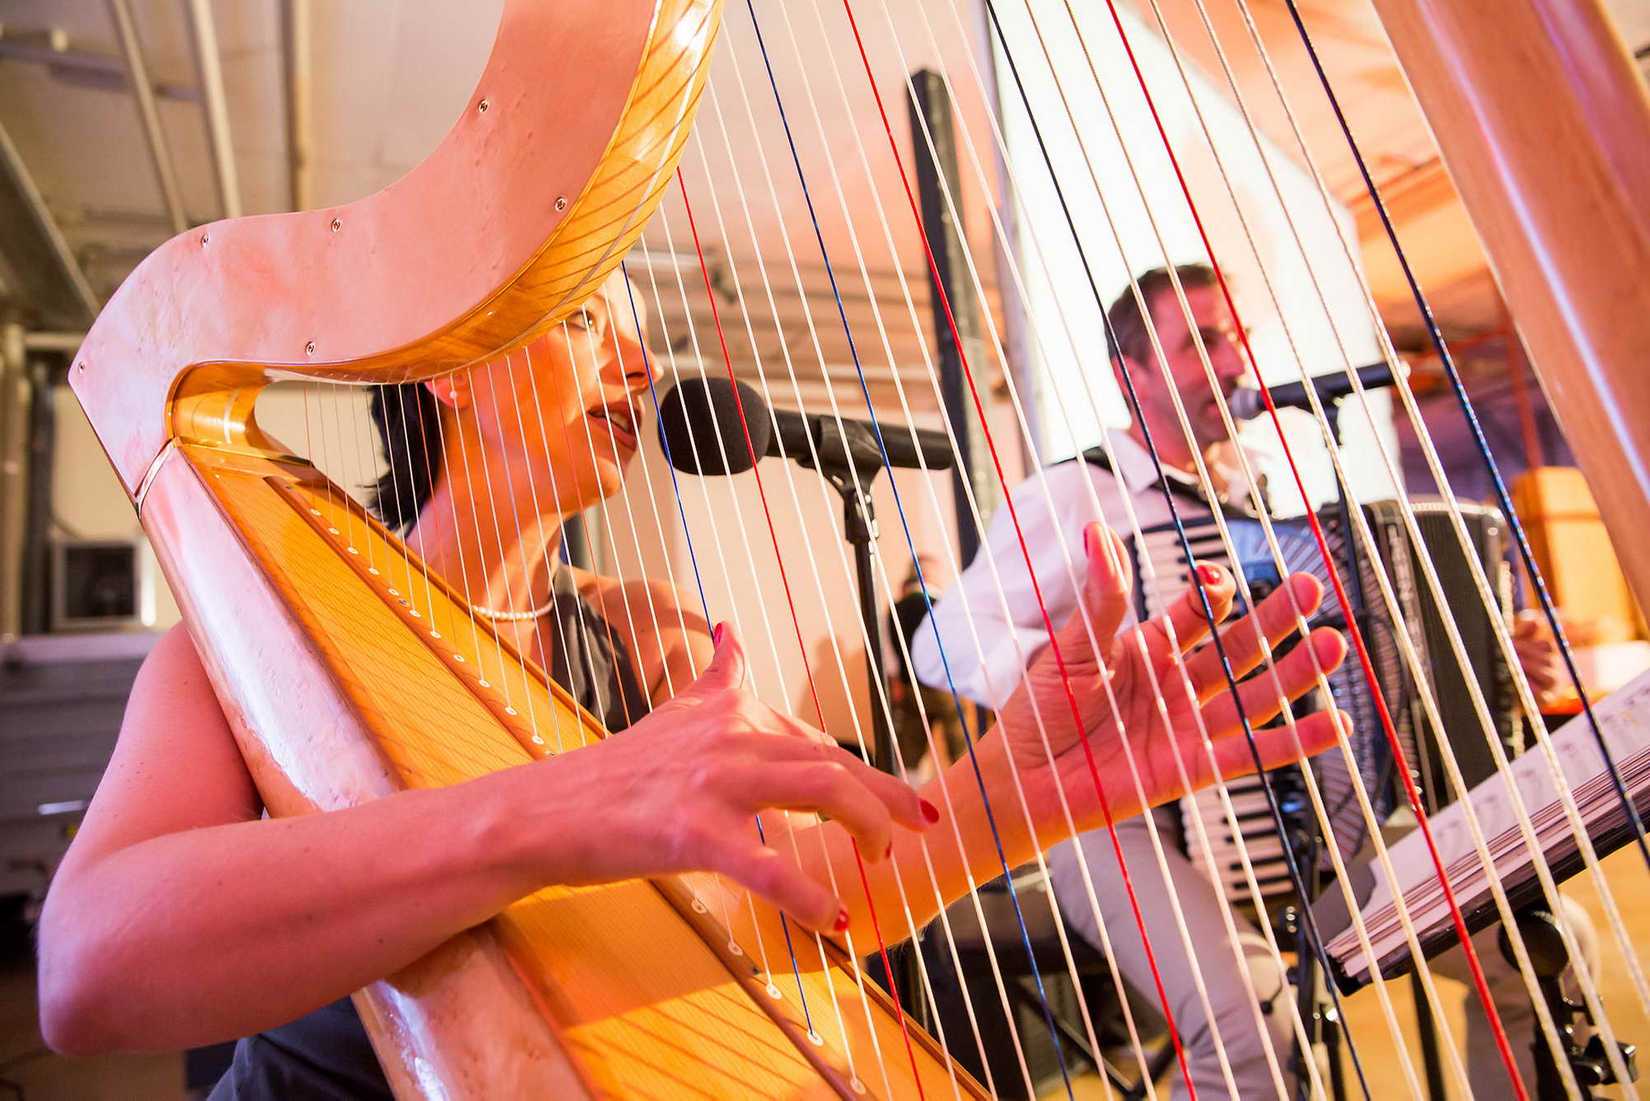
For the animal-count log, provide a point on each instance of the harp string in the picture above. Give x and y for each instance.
(1473, 962)
(896, 156)
(1053, 901)
(1201, 838)
(739, 523)
(905, 527)
(965, 133)
(748, 898)
(429, 480)
(1082, 865)
(1401, 633)
(533, 629)
(360, 463)
(521, 645)
(578, 606)
(400, 521)
(618, 353)
(1572, 813)
(859, 861)
(880, 700)
(1012, 189)
(773, 989)
(1538, 860)
(488, 585)
(1482, 586)
(945, 791)
(1220, 789)
(882, 570)
(1012, 891)
(873, 306)
(1470, 418)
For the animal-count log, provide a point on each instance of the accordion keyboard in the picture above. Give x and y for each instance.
(1160, 563)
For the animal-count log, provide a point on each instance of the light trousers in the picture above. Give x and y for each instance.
(1229, 1023)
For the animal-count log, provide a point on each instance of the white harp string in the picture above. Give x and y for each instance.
(735, 614)
(1491, 608)
(1503, 638)
(879, 700)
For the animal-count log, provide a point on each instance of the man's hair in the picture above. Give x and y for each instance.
(1129, 333)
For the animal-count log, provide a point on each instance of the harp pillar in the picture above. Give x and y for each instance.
(1544, 124)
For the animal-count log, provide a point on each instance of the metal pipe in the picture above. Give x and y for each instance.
(15, 394)
(204, 36)
(52, 342)
(295, 33)
(120, 11)
(47, 240)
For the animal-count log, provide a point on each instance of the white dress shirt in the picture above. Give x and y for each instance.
(985, 662)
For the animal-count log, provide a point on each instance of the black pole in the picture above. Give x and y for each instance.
(930, 106)
(860, 527)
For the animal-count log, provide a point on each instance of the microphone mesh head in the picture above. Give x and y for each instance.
(700, 429)
(1245, 404)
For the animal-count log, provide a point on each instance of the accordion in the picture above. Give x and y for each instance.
(1160, 562)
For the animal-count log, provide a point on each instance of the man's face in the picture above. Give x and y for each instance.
(1185, 374)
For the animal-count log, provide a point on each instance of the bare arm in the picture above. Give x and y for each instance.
(181, 917)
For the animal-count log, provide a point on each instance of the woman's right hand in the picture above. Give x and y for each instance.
(679, 791)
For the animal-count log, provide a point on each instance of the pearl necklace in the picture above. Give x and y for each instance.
(498, 616)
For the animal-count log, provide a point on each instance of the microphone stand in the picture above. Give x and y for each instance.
(850, 460)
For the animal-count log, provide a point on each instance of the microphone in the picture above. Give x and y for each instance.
(1246, 403)
(700, 428)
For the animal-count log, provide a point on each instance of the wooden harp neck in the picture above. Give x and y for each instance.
(530, 200)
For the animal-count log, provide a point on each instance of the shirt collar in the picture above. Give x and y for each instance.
(1135, 467)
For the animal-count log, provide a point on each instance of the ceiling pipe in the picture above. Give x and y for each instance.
(68, 343)
(295, 35)
(204, 36)
(143, 89)
(33, 239)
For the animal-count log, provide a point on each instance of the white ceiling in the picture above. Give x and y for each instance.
(389, 77)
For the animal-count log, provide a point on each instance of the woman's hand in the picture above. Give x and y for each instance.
(680, 790)
(1117, 701)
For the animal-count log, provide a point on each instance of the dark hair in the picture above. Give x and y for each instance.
(407, 417)
(1129, 332)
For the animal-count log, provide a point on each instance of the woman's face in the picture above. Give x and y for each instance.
(560, 417)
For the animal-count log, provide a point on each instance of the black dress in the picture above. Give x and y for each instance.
(325, 1054)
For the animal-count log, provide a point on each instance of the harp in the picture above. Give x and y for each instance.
(330, 695)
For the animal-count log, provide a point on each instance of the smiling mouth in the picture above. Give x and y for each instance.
(621, 422)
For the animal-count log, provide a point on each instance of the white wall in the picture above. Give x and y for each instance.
(1133, 151)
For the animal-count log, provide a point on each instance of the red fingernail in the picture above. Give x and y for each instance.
(716, 635)
(1088, 542)
(1209, 573)
(929, 810)
(841, 921)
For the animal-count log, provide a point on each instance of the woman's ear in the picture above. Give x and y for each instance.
(452, 391)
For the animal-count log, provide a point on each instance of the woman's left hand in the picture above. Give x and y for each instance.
(1101, 688)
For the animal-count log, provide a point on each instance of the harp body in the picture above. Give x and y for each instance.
(329, 679)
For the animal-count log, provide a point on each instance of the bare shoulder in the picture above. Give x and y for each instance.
(642, 600)
(665, 632)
